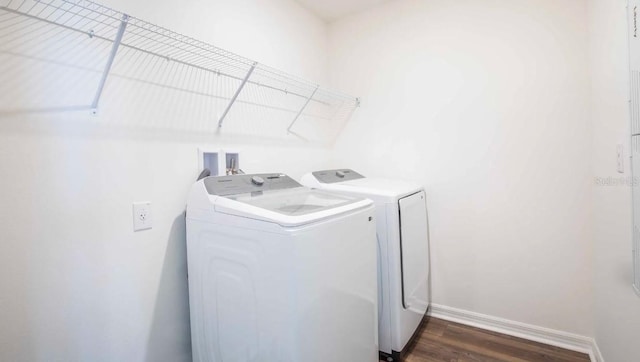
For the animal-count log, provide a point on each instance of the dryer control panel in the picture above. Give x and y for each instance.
(245, 184)
(339, 175)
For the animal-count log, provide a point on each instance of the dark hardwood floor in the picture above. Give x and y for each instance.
(440, 340)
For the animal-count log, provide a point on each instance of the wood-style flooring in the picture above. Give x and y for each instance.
(440, 340)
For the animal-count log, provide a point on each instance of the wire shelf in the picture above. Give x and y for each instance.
(96, 54)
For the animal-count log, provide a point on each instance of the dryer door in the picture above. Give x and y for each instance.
(414, 247)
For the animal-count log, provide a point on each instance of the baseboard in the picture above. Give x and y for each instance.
(548, 336)
(596, 356)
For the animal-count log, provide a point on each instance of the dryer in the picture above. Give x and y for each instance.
(279, 272)
(403, 250)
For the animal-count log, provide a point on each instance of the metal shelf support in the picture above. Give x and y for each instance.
(235, 96)
(112, 56)
(302, 109)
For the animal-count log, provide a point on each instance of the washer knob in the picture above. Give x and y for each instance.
(340, 174)
(257, 180)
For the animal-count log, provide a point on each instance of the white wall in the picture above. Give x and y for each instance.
(486, 104)
(75, 282)
(617, 308)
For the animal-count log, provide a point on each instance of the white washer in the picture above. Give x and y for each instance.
(279, 272)
(403, 250)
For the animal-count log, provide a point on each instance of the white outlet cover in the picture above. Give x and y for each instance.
(142, 218)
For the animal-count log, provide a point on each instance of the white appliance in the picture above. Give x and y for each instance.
(279, 272)
(403, 251)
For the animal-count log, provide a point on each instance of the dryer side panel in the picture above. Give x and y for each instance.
(414, 235)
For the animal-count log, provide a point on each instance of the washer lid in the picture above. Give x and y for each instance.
(298, 201)
(277, 198)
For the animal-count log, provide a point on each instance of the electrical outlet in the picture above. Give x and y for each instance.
(142, 219)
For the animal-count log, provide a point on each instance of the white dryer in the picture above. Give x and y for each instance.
(279, 272)
(403, 251)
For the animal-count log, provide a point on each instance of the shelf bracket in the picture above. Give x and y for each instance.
(302, 109)
(112, 56)
(235, 96)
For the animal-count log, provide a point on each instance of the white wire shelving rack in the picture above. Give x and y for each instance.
(97, 44)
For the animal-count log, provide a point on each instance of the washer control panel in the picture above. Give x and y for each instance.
(332, 176)
(244, 184)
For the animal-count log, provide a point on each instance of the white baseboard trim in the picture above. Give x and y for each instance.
(548, 336)
(597, 355)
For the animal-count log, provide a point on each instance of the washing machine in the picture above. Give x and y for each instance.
(403, 251)
(280, 272)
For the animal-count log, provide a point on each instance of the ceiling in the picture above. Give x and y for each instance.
(330, 10)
